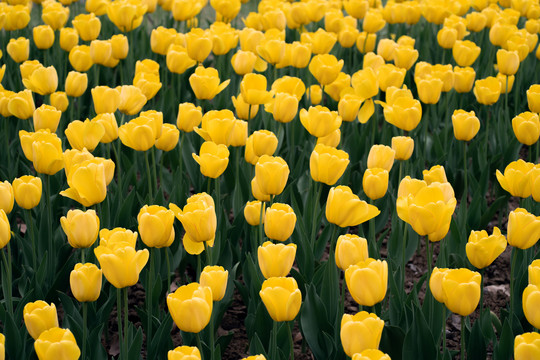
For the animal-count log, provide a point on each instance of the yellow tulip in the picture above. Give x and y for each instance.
(243, 109)
(27, 190)
(325, 68)
(321, 41)
(466, 125)
(198, 217)
(381, 156)
(81, 227)
(178, 60)
(57, 343)
(319, 121)
(80, 58)
(350, 250)
(184, 353)
(76, 83)
(533, 98)
(523, 229)
(218, 126)
(243, 62)
(507, 62)
(272, 174)
(281, 297)
(108, 121)
(191, 307)
(69, 38)
(271, 50)
(189, 117)
(5, 229)
(253, 89)
(516, 178)
(526, 127)
(85, 282)
(21, 104)
(215, 277)
(371, 354)
(169, 138)
(276, 260)
(487, 91)
(284, 107)
(7, 196)
(156, 226)
(461, 288)
(367, 281)
(482, 249)
(465, 52)
(43, 36)
(121, 265)
(206, 84)
(85, 134)
(105, 99)
(126, 14)
(87, 183)
(19, 49)
(88, 26)
(279, 222)
(137, 134)
(403, 147)
(161, 38)
(375, 183)
(360, 332)
(252, 212)
(345, 209)
(327, 164)
(39, 317)
(463, 79)
(527, 346)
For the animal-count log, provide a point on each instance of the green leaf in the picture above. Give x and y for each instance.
(419, 343)
(476, 344)
(392, 341)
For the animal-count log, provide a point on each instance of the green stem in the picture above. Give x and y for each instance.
(372, 240)
(116, 150)
(30, 225)
(512, 285)
(168, 268)
(208, 254)
(429, 257)
(9, 299)
(466, 177)
(181, 161)
(314, 224)
(85, 328)
(444, 330)
(273, 342)
(462, 338)
(119, 313)
(126, 305)
(403, 250)
(149, 177)
(199, 345)
(211, 329)
(261, 240)
(291, 348)
(83, 255)
(218, 200)
(154, 171)
(149, 299)
(49, 225)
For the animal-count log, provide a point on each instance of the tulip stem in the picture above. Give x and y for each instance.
(83, 255)
(119, 313)
(149, 301)
(181, 161)
(261, 224)
(403, 250)
(149, 177)
(154, 171)
(85, 330)
(272, 351)
(314, 222)
(429, 257)
(512, 285)
(462, 338)
(208, 254)
(465, 178)
(30, 227)
(126, 305)
(49, 224)
(168, 268)
(7, 265)
(116, 150)
(291, 348)
(199, 345)
(444, 330)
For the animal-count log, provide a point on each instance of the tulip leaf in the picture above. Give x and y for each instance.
(161, 340)
(392, 341)
(313, 318)
(97, 351)
(476, 344)
(135, 342)
(256, 346)
(419, 343)
(488, 215)
(504, 348)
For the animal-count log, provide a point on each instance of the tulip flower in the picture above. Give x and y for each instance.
(215, 277)
(281, 297)
(156, 226)
(7, 196)
(193, 247)
(189, 117)
(367, 281)
(482, 249)
(279, 222)
(465, 52)
(132, 99)
(27, 190)
(191, 307)
(371, 354)
(284, 107)
(57, 343)
(184, 353)
(507, 62)
(466, 125)
(345, 209)
(117, 238)
(527, 346)
(18, 49)
(405, 57)
(271, 50)
(429, 89)
(198, 218)
(121, 265)
(198, 44)
(244, 110)
(403, 112)
(531, 302)
(319, 121)
(169, 138)
(264, 142)
(403, 147)
(126, 14)
(243, 62)
(435, 284)
(85, 134)
(533, 98)
(516, 178)
(327, 164)
(212, 158)
(325, 68)
(205, 83)
(381, 156)
(487, 91)
(39, 317)
(178, 60)
(46, 117)
(253, 89)
(523, 229)
(81, 227)
(463, 79)
(5, 229)
(271, 173)
(252, 212)
(21, 104)
(43, 36)
(69, 38)
(375, 183)
(348, 107)
(137, 134)
(161, 38)
(461, 288)
(85, 282)
(88, 26)
(276, 260)
(526, 127)
(255, 357)
(360, 332)
(331, 139)
(350, 250)
(87, 183)
(218, 126)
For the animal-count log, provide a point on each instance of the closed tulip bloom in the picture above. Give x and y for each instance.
(243, 62)
(506, 82)
(271, 50)
(126, 14)
(272, 174)
(365, 83)
(213, 159)
(169, 138)
(446, 37)
(81, 227)
(252, 212)
(390, 75)
(476, 21)
(531, 303)
(47, 155)
(404, 113)
(375, 183)
(178, 60)
(87, 25)
(403, 147)
(43, 36)
(57, 343)
(371, 354)
(132, 99)
(108, 121)
(281, 297)
(19, 49)
(482, 249)
(465, 52)
(215, 277)
(76, 83)
(405, 57)
(80, 58)
(373, 21)
(198, 218)
(461, 289)
(345, 209)
(348, 107)
(465, 124)
(121, 265)
(321, 41)
(191, 307)
(7, 196)
(253, 89)
(331, 139)
(85, 282)
(523, 229)
(85, 134)
(217, 126)
(350, 250)
(487, 91)
(43, 80)
(429, 89)
(137, 134)
(276, 260)
(87, 183)
(39, 317)
(533, 98)
(527, 346)
(279, 222)
(435, 284)
(325, 68)
(534, 272)
(265, 142)
(365, 42)
(69, 38)
(516, 178)
(367, 281)
(120, 46)
(189, 117)
(46, 117)
(314, 94)
(198, 44)
(507, 61)
(381, 156)
(319, 121)
(243, 109)
(101, 52)
(161, 38)
(183, 10)
(59, 100)
(206, 84)
(21, 104)
(327, 164)
(360, 332)
(27, 190)
(156, 226)
(463, 79)
(526, 127)
(184, 353)
(5, 229)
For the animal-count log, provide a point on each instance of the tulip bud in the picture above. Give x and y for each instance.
(46, 117)
(527, 346)
(39, 317)
(156, 226)
(76, 83)
(27, 190)
(81, 227)
(212, 158)
(381, 156)
(43, 36)
(272, 174)
(215, 277)
(57, 343)
(191, 307)
(59, 100)
(403, 147)
(482, 249)
(279, 222)
(523, 229)
(184, 353)
(526, 127)
(466, 125)
(375, 183)
(281, 297)
(189, 117)
(461, 288)
(360, 332)
(516, 178)
(344, 208)
(85, 282)
(19, 49)
(350, 250)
